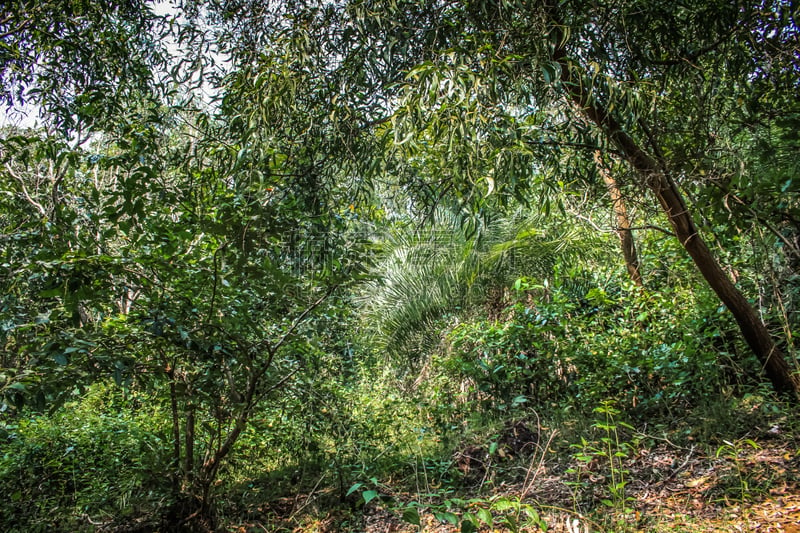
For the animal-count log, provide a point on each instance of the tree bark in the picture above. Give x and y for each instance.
(623, 222)
(176, 430)
(658, 179)
(189, 445)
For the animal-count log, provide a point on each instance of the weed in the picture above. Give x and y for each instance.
(734, 452)
(607, 453)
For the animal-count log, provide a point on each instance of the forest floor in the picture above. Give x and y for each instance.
(747, 485)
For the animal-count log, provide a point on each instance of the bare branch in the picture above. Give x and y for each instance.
(33, 202)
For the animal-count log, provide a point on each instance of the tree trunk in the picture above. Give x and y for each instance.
(188, 469)
(660, 182)
(623, 222)
(772, 359)
(169, 370)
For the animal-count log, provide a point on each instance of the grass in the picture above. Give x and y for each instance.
(743, 477)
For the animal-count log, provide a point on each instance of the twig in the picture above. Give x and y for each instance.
(216, 280)
(308, 498)
(526, 486)
(21, 26)
(680, 468)
(664, 439)
(33, 202)
(295, 324)
(657, 228)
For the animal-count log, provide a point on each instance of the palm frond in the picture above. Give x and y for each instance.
(428, 275)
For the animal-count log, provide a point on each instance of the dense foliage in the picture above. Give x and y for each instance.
(255, 249)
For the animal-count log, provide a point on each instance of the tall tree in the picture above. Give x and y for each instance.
(498, 96)
(658, 172)
(179, 250)
(522, 79)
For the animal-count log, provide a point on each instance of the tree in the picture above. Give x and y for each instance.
(81, 64)
(179, 280)
(521, 81)
(658, 173)
(498, 94)
(623, 221)
(176, 250)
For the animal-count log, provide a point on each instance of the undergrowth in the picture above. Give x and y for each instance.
(541, 418)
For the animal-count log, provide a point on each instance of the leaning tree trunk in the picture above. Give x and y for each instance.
(753, 329)
(623, 221)
(660, 182)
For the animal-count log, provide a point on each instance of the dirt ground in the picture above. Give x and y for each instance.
(746, 486)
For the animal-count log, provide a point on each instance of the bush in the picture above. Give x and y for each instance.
(90, 460)
(648, 352)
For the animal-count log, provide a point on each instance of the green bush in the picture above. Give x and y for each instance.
(89, 461)
(648, 351)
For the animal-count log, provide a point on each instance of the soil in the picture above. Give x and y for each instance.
(747, 486)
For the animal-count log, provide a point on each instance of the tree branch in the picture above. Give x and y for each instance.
(33, 202)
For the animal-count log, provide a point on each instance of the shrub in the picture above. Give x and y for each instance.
(649, 352)
(90, 460)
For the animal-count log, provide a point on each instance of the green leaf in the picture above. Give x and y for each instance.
(411, 515)
(533, 514)
(471, 518)
(551, 72)
(511, 522)
(468, 527)
(354, 488)
(485, 516)
(369, 495)
(49, 293)
(446, 516)
(503, 504)
(117, 375)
